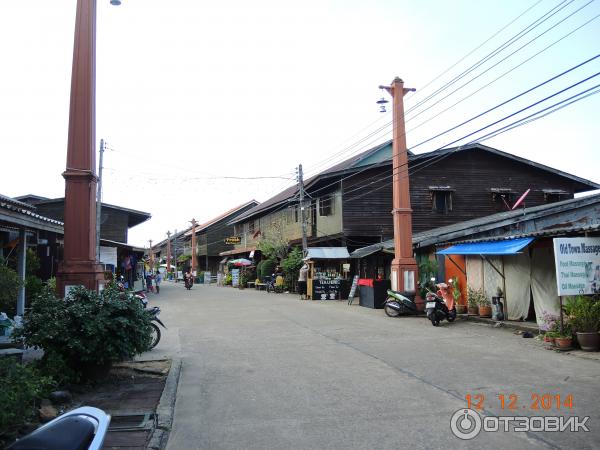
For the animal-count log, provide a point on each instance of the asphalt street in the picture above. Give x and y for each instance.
(268, 371)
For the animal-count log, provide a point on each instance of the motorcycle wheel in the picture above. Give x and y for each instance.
(434, 320)
(452, 315)
(269, 288)
(390, 312)
(155, 335)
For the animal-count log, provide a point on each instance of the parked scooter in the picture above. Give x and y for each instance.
(397, 304)
(83, 428)
(440, 305)
(155, 312)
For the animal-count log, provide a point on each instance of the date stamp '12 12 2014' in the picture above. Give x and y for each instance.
(514, 402)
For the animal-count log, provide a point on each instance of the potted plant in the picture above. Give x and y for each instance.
(584, 317)
(485, 307)
(549, 326)
(460, 309)
(550, 337)
(472, 304)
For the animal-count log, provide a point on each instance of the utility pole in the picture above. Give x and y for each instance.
(404, 265)
(302, 212)
(175, 252)
(151, 255)
(193, 222)
(168, 252)
(99, 200)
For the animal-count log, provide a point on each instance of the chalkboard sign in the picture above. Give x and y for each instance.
(353, 289)
(326, 289)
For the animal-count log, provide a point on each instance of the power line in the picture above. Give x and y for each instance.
(495, 52)
(501, 61)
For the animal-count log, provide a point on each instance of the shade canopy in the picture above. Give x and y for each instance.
(241, 262)
(507, 247)
(327, 253)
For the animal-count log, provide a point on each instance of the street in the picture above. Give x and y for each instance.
(268, 371)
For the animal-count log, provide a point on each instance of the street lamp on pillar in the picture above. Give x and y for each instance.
(193, 222)
(80, 265)
(404, 265)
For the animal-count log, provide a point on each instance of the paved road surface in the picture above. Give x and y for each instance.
(268, 371)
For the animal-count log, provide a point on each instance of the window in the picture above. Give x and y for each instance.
(555, 195)
(441, 199)
(251, 227)
(326, 205)
(504, 198)
(237, 229)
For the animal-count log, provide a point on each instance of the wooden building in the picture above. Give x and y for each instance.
(210, 239)
(350, 204)
(115, 221)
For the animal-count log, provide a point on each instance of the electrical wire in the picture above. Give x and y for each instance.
(503, 75)
(501, 61)
(499, 49)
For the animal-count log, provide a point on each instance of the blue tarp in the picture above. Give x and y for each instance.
(508, 247)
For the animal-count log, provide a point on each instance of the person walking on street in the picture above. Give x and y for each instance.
(302, 276)
(157, 280)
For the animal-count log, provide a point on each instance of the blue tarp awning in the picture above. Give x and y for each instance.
(508, 247)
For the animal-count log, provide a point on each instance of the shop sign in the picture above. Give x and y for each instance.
(326, 289)
(577, 262)
(233, 240)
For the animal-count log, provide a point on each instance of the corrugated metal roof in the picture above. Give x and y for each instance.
(327, 253)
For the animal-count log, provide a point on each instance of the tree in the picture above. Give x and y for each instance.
(274, 244)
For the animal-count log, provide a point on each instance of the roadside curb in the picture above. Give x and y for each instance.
(166, 408)
(504, 323)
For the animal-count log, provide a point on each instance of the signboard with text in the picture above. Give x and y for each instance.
(577, 262)
(233, 240)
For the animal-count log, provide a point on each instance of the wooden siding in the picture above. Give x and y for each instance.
(113, 223)
(470, 174)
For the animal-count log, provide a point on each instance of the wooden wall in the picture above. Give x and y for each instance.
(471, 174)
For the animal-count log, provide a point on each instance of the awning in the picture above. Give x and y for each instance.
(224, 260)
(505, 247)
(366, 251)
(327, 253)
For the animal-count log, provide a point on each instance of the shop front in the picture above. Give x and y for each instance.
(328, 274)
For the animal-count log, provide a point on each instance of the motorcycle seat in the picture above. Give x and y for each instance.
(72, 432)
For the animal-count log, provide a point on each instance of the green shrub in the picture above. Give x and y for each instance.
(88, 328)
(22, 387)
(291, 266)
(267, 268)
(9, 289)
(583, 312)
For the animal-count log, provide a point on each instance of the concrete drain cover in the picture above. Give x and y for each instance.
(133, 421)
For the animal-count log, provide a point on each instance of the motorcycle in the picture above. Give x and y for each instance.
(273, 285)
(154, 313)
(188, 282)
(440, 305)
(397, 304)
(82, 428)
(156, 335)
(140, 295)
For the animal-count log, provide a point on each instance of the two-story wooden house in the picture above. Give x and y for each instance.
(210, 239)
(350, 204)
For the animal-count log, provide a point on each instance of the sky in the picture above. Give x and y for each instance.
(207, 105)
